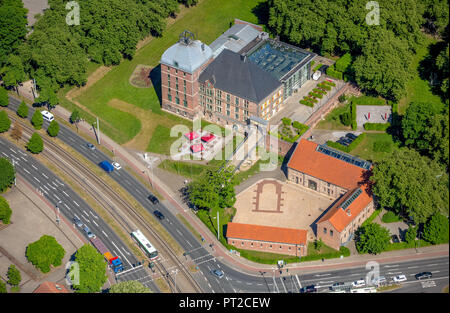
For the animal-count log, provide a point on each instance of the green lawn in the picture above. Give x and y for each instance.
(206, 20)
(332, 121)
(186, 169)
(365, 149)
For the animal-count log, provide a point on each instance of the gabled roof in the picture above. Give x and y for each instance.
(308, 160)
(266, 233)
(50, 287)
(339, 216)
(237, 75)
(235, 38)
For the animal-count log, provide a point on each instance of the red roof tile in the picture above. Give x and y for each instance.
(267, 233)
(307, 160)
(50, 287)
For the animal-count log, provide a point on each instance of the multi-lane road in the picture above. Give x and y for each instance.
(233, 280)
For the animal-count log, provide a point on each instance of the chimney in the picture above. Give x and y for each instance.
(243, 57)
(348, 212)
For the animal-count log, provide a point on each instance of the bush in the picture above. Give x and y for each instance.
(346, 118)
(3, 287)
(372, 238)
(324, 86)
(321, 91)
(5, 122)
(329, 82)
(390, 217)
(317, 95)
(368, 100)
(377, 126)
(286, 121)
(411, 234)
(14, 276)
(311, 99)
(45, 252)
(5, 211)
(353, 112)
(382, 146)
(35, 145)
(4, 99)
(301, 128)
(53, 128)
(343, 63)
(436, 229)
(317, 67)
(22, 110)
(333, 73)
(342, 98)
(307, 103)
(37, 120)
(7, 174)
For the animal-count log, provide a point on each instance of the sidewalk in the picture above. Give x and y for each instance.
(220, 251)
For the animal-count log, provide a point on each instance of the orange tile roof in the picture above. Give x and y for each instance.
(50, 287)
(338, 217)
(307, 160)
(267, 233)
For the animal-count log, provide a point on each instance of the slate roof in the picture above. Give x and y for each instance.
(237, 75)
(234, 39)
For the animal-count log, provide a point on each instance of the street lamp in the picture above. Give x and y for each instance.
(57, 212)
(98, 130)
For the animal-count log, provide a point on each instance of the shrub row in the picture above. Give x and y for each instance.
(324, 86)
(331, 71)
(301, 128)
(317, 95)
(333, 255)
(321, 91)
(317, 67)
(343, 62)
(286, 121)
(376, 126)
(329, 82)
(353, 112)
(348, 148)
(368, 100)
(307, 103)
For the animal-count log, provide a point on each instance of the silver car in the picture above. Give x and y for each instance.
(217, 273)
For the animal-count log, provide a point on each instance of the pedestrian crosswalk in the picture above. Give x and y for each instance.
(428, 284)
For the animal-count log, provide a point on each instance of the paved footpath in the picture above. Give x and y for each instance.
(219, 250)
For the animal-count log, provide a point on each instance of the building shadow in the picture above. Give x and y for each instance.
(261, 11)
(313, 225)
(155, 77)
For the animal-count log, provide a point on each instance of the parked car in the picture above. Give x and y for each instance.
(88, 232)
(347, 140)
(423, 275)
(337, 286)
(116, 165)
(153, 199)
(47, 116)
(395, 239)
(78, 222)
(158, 214)
(106, 166)
(351, 136)
(308, 289)
(359, 283)
(342, 142)
(399, 278)
(217, 273)
(379, 280)
(90, 146)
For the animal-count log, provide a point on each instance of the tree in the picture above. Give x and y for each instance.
(372, 238)
(37, 120)
(4, 99)
(411, 185)
(35, 144)
(22, 110)
(75, 118)
(5, 122)
(318, 244)
(13, 72)
(53, 128)
(436, 230)
(130, 286)
(14, 276)
(92, 268)
(3, 287)
(214, 190)
(411, 234)
(17, 131)
(5, 211)
(7, 174)
(45, 252)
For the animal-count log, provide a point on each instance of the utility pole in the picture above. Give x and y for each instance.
(13, 164)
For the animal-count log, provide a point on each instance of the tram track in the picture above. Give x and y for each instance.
(105, 189)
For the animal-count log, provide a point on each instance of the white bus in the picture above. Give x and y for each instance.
(145, 245)
(47, 116)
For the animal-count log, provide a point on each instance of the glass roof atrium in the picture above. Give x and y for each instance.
(344, 157)
(277, 58)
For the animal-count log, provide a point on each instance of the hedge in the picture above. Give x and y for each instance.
(368, 100)
(317, 67)
(307, 103)
(343, 62)
(286, 121)
(348, 148)
(321, 91)
(353, 111)
(324, 86)
(329, 82)
(333, 255)
(301, 128)
(371, 218)
(376, 126)
(317, 95)
(311, 99)
(333, 73)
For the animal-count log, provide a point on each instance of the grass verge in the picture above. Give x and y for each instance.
(189, 226)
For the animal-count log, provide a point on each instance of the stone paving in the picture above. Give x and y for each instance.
(373, 114)
(321, 136)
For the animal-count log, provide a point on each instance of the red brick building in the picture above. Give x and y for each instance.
(267, 239)
(340, 176)
(50, 287)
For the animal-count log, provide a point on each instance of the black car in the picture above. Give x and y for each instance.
(337, 286)
(351, 136)
(395, 239)
(424, 275)
(342, 142)
(158, 214)
(347, 140)
(153, 199)
(308, 289)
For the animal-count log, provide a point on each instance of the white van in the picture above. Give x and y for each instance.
(47, 116)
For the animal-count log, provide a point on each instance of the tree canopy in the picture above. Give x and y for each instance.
(45, 252)
(436, 229)
(4, 99)
(372, 238)
(35, 144)
(14, 276)
(7, 174)
(37, 120)
(5, 211)
(22, 110)
(130, 286)
(5, 122)
(92, 268)
(410, 184)
(53, 128)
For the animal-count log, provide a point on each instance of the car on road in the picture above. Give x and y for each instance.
(359, 283)
(351, 136)
(116, 165)
(106, 166)
(158, 214)
(217, 273)
(88, 232)
(90, 146)
(399, 278)
(423, 275)
(337, 285)
(77, 222)
(47, 116)
(308, 289)
(153, 199)
(395, 239)
(379, 280)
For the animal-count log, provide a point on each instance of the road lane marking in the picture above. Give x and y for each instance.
(24, 159)
(12, 150)
(67, 207)
(298, 280)
(93, 215)
(413, 267)
(65, 193)
(86, 213)
(388, 266)
(189, 243)
(104, 233)
(26, 171)
(275, 285)
(76, 203)
(320, 275)
(95, 223)
(34, 167)
(44, 176)
(178, 231)
(37, 179)
(55, 196)
(121, 253)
